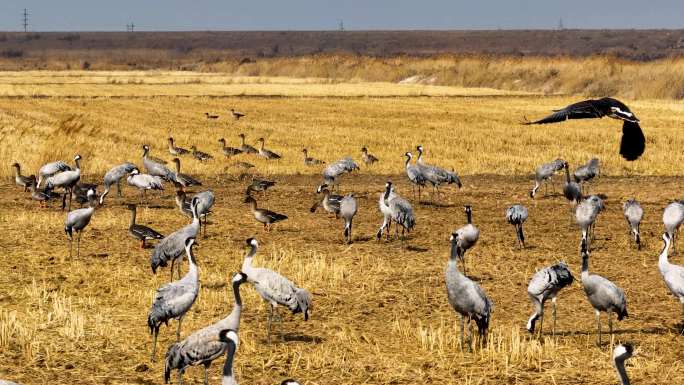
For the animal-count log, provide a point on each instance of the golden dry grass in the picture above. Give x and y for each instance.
(381, 314)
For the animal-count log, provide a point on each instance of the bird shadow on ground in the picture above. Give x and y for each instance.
(291, 337)
(436, 204)
(363, 238)
(214, 285)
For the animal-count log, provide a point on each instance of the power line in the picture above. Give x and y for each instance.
(130, 27)
(25, 20)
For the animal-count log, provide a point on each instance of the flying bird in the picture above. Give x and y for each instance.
(633, 141)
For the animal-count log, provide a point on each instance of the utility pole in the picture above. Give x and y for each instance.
(130, 27)
(25, 20)
(560, 24)
(341, 26)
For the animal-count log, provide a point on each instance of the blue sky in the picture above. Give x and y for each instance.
(112, 15)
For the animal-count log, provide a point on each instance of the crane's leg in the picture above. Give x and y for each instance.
(553, 302)
(206, 372)
(541, 323)
(462, 328)
(389, 226)
(173, 261)
(64, 200)
(470, 334)
(682, 332)
(118, 188)
(78, 246)
(270, 321)
(70, 197)
(610, 327)
(154, 343)
(178, 328)
(180, 377)
(178, 268)
(71, 246)
(598, 324)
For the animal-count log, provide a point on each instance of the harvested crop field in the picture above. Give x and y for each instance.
(380, 313)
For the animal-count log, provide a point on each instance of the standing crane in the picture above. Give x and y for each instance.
(77, 220)
(275, 289)
(673, 275)
(545, 284)
(174, 299)
(467, 297)
(517, 215)
(466, 236)
(114, 176)
(633, 214)
(172, 246)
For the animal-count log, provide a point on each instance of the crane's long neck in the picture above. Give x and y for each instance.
(470, 217)
(388, 190)
(78, 164)
(585, 267)
(193, 271)
(622, 373)
(104, 194)
(662, 260)
(247, 263)
(228, 378)
(145, 151)
(132, 217)
(236, 294)
(567, 174)
(420, 156)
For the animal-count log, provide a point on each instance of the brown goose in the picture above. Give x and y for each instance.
(264, 153)
(228, 151)
(309, 161)
(368, 158)
(184, 180)
(176, 151)
(199, 155)
(141, 232)
(246, 148)
(22, 181)
(267, 217)
(236, 115)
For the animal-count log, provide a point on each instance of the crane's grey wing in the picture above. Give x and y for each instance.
(276, 287)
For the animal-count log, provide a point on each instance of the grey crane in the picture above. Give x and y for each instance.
(200, 155)
(204, 204)
(466, 236)
(546, 284)
(603, 295)
(415, 175)
(246, 148)
(50, 169)
(264, 216)
(309, 161)
(236, 115)
(330, 202)
(335, 170)
(66, 179)
(184, 180)
(368, 158)
(673, 216)
(622, 353)
(201, 347)
(544, 174)
(144, 182)
(633, 214)
(585, 216)
(175, 150)
(174, 299)
(22, 181)
(673, 275)
(275, 289)
(467, 297)
(172, 246)
(77, 220)
(155, 166)
(517, 215)
(571, 190)
(348, 208)
(141, 232)
(114, 176)
(386, 212)
(400, 212)
(587, 172)
(227, 150)
(264, 153)
(436, 175)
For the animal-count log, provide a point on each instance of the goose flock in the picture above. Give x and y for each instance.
(173, 300)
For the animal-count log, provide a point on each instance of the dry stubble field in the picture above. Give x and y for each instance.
(381, 314)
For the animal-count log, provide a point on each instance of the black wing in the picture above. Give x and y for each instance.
(586, 109)
(633, 141)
